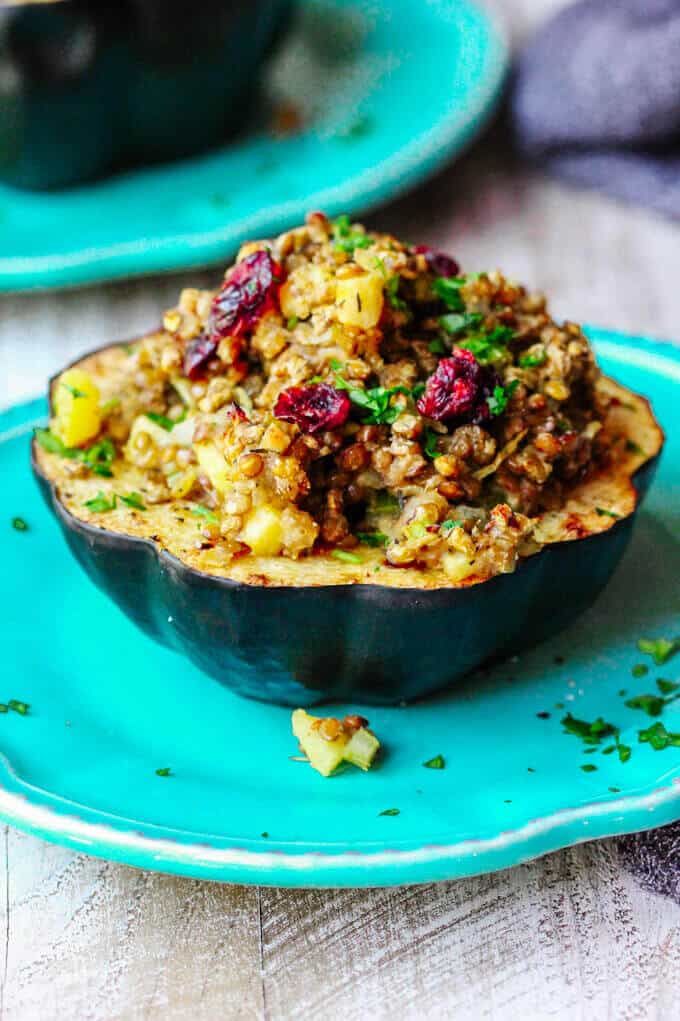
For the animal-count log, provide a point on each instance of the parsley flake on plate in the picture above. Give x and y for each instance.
(18, 706)
(19, 525)
(658, 737)
(438, 762)
(163, 771)
(389, 811)
(660, 649)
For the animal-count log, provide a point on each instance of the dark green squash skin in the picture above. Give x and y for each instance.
(357, 643)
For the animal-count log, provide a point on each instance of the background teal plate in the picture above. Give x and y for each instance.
(108, 707)
(390, 92)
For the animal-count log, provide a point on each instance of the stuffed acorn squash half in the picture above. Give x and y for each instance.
(352, 471)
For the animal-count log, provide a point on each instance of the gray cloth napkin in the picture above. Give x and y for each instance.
(596, 98)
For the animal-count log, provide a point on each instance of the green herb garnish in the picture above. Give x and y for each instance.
(588, 767)
(458, 322)
(438, 762)
(430, 445)
(343, 554)
(449, 524)
(110, 405)
(292, 322)
(639, 670)
(97, 457)
(73, 390)
(163, 771)
(162, 420)
(604, 513)
(666, 687)
(448, 290)
(498, 401)
(488, 347)
(389, 811)
(651, 704)
(437, 347)
(375, 539)
(590, 733)
(658, 737)
(376, 401)
(18, 707)
(660, 649)
(19, 525)
(346, 238)
(133, 500)
(392, 292)
(624, 752)
(385, 502)
(99, 503)
(199, 511)
(532, 361)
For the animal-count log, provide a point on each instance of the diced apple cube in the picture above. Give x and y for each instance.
(359, 300)
(76, 408)
(263, 531)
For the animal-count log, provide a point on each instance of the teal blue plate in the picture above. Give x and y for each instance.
(109, 707)
(389, 92)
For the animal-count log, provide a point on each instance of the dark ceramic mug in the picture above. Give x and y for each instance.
(87, 87)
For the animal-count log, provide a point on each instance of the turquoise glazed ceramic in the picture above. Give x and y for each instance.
(108, 707)
(387, 93)
(88, 88)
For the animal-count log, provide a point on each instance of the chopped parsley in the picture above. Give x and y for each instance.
(498, 401)
(292, 322)
(658, 737)
(19, 525)
(430, 445)
(162, 420)
(163, 771)
(4, 708)
(660, 649)
(99, 457)
(667, 687)
(375, 539)
(604, 513)
(133, 500)
(653, 705)
(385, 502)
(590, 733)
(73, 390)
(18, 707)
(392, 292)
(110, 405)
(450, 523)
(488, 346)
(639, 670)
(346, 238)
(349, 558)
(458, 322)
(624, 752)
(588, 767)
(437, 346)
(614, 790)
(199, 511)
(389, 811)
(100, 503)
(438, 762)
(533, 361)
(375, 402)
(448, 290)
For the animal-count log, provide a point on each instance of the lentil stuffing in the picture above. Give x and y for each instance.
(342, 389)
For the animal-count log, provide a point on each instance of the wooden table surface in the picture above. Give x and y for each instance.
(569, 936)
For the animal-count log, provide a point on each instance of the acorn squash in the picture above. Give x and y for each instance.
(297, 632)
(351, 471)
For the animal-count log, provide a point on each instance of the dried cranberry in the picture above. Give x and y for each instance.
(458, 388)
(197, 355)
(313, 407)
(250, 290)
(439, 263)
